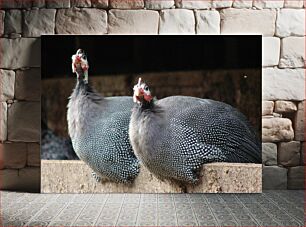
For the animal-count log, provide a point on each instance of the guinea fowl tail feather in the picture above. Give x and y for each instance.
(252, 150)
(244, 136)
(249, 149)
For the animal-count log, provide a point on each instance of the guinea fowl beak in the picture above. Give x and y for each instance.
(139, 81)
(138, 92)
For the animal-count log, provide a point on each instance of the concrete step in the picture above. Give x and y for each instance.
(63, 176)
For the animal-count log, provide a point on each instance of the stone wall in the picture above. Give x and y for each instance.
(283, 144)
(282, 23)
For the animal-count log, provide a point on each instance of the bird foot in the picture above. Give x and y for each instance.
(96, 176)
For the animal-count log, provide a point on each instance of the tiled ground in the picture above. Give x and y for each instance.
(271, 208)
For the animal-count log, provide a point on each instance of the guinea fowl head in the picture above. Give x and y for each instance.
(142, 93)
(79, 57)
(80, 65)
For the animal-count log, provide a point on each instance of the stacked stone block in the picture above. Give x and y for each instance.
(284, 98)
(283, 144)
(20, 128)
(281, 22)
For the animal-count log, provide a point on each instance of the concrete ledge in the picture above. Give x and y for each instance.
(59, 176)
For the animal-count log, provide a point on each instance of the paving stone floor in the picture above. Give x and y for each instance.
(271, 208)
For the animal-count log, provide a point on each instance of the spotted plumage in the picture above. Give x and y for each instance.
(174, 136)
(98, 128)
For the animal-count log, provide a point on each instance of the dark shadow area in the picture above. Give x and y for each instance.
(142, 54)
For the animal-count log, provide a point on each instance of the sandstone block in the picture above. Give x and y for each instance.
(39, 22)
(39, 3)
(237, 21)
(267, 107)
(13, 155)
(60, 176)
(8, 178)
(296, 178)
(269, 154)
(299, 122)
(13, 36)
(274, 177)
(99, 3)
(24, 122)
(20, 53)
(191, 4)
(242, 4)
(277, 129)
(159, 4)
(293, 52)
(271, 50)
(54, 180)
(33, 158)
(77, 21)
(276, 86)
(13, 21)
(55, 4)
(26, 179)
(229, 178)
(208, 22)
(3, 121)
(27, 86)
(7, 82)
(289, 153)
(2, 14)
(290, 22)
(293, 3)
(126, 4)
(222, 3)
(139, 22)
(303, 161)
(285, 106)
(177, 21)
(261, 4)
(80, 3)
(15, 4)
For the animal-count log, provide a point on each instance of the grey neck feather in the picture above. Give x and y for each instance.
(147, 129)
(151, 117)
(150, 106)
(81, 75)
(83, 107)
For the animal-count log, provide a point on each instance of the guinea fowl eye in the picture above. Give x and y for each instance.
(146, 88)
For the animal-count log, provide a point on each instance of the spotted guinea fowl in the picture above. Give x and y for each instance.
(174, 136)
(98, 128)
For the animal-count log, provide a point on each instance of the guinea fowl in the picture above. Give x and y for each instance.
(98, 128)
(174, 136)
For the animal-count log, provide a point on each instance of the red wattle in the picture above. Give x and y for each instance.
(148, 98)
